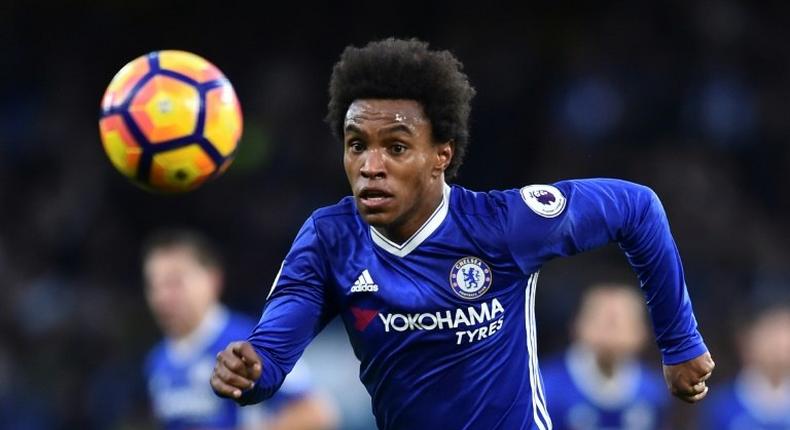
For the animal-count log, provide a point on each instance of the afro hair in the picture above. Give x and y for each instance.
(406, 69)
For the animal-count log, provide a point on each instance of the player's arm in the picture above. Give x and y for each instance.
(296, 310)
(591, 213)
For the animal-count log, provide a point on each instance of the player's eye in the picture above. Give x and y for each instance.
(398, 148)
(355, 146)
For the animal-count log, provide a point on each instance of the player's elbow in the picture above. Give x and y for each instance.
(649, 204)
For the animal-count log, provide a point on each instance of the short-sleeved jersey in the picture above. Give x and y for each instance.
(747, 403)
(443, 324)
(178, 379)
(580, 398)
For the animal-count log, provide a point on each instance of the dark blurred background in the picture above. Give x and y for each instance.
(690, 98)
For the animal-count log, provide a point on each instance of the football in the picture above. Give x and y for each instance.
(170, 121)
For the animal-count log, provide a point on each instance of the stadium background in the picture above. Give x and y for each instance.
(687, 97)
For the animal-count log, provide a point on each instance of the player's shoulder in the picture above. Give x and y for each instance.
(340, 216)
(339, 221)
(339, 211)
(540, 200)
(502, 215)
(479, 203)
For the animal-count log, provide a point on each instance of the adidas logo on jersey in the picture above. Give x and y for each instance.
(364, 283)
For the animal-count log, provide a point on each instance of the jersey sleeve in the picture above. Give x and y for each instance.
(544, 221)
(297, 309)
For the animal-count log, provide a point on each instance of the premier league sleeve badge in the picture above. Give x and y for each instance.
(545, 200)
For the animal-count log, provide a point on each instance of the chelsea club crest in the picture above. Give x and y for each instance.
(470, 277)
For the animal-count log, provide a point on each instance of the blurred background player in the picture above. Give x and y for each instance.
(599, 382)
(183, 280)
(759, 396)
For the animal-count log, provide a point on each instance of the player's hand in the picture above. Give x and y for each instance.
(686, 381)
(238, 367)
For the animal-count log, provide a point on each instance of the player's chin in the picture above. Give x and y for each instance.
(171, 326)
(376, 217)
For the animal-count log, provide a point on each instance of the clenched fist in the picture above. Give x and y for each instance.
(238, 367)
(686, 381)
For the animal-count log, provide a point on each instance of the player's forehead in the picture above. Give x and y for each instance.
(170, 257)
(776, 320)
(367, 114)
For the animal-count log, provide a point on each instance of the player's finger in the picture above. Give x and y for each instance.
(705, 377)
(233, 379)
(250, 359)
(232, 362)
(254, 370)
(684, 390)
(696, 398)
(223, 389)
(246, 352)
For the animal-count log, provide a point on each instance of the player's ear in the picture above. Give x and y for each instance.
(444, 155)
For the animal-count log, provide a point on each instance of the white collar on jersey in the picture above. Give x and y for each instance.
(602, 391)
(760, 397)
(428, 227)
(184, 348)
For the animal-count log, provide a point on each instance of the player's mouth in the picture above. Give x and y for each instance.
(374, 198)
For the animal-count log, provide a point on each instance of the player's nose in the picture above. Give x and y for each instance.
(373, 164)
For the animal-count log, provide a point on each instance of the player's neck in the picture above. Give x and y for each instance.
(607, 367)
(776, 379)
(208, 323)
(401, 232)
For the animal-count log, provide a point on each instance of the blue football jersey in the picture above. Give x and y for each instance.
(747, 403)
(580, 398)
(178, 376)
(443, 324)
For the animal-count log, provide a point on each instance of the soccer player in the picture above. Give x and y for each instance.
(759, 396)
(183, 279)
(599, 383)
(436, 283)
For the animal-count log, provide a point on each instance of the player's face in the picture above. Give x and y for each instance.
(179, 289)
(611, 323)
(395, 169)
(767, 347)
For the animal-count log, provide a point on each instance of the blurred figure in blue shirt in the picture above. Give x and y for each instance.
(598, 382)
(759, 396)
(183, 280)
